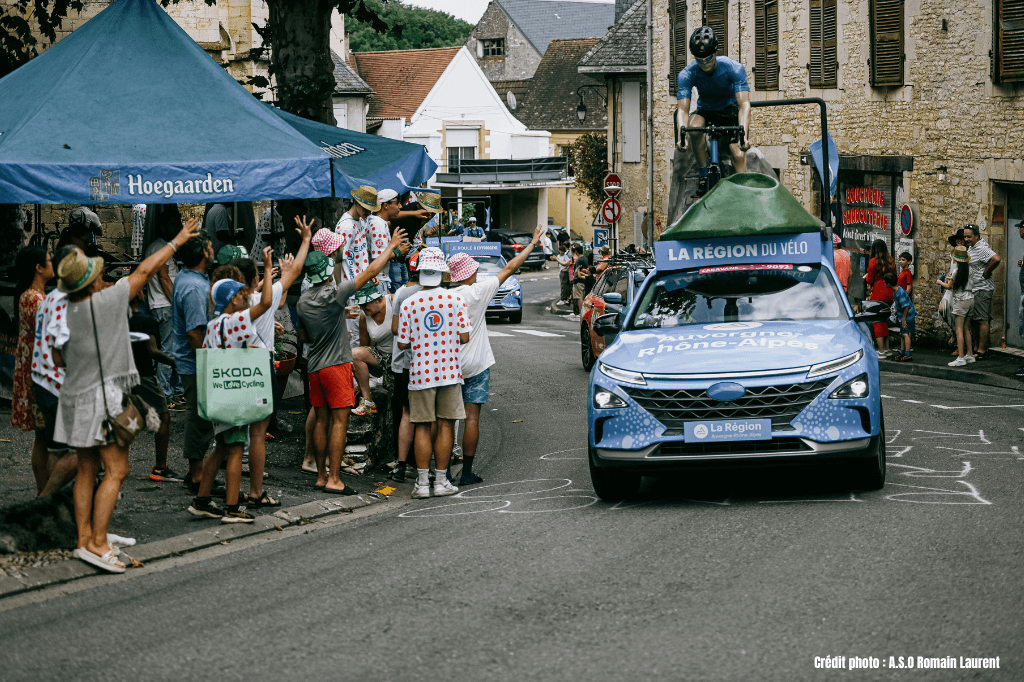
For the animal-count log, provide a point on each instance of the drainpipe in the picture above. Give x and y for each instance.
(650, 124)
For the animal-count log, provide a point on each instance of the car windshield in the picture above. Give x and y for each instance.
(490, 264)
(740, 293)
(523, 238)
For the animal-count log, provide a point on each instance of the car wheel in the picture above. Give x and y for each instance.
(868, 472)
(516, 317)
(612, 485)
(586, 348)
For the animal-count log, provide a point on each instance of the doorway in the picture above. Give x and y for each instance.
(1014, 260)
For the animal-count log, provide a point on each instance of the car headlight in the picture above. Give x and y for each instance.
(606, 400)
(857, 387)
(622, 374)
(835, 365)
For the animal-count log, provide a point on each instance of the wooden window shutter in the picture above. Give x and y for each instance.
(678, 42)
(766, 44)
(1008, 41)
(716, 16)
(886, 42)
(824, 66)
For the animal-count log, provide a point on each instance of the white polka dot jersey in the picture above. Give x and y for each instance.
(238, 331)
(431, 322)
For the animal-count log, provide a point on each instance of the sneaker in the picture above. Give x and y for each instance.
(165, 474)
(959, 362)
(562, 303)
(399, 473)
(240, 516)
(1019, 372)
(365, 407)
(882, 355)
(702, 187)
(284, 427)
(420, 491)
(444, 487)
(209, 509)
(969, 358)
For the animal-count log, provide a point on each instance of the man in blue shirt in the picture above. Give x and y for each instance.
(723, 100)
(189, 315)
(474, 230)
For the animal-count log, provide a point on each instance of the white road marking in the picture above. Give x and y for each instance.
(534, 332)
(969, 407)
(496, 334)
(887, 396)
(916, 402)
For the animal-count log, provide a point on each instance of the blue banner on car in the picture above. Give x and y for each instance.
(727, 430)
(475, 248)
(787, 248)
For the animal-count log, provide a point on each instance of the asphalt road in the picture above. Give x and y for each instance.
(529, 576)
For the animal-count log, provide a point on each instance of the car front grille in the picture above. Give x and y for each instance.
(748, 447)
(781, 404)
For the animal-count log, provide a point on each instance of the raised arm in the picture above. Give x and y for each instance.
(397, 242)
(518, 261)
(147, 268)
(267, 295)
(294, 270)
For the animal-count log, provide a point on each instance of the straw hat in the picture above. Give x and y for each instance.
(960, 255)
(430, 201)
(366, 197)
(78, 271)
(462, 266)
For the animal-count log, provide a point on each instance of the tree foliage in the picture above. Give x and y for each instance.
(588, 162)
(420, 28)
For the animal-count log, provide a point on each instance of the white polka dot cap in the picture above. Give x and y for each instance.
(431, 258)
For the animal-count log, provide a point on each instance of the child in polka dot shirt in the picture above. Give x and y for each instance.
(434, 323)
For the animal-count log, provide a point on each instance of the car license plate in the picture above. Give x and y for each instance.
(727, 430)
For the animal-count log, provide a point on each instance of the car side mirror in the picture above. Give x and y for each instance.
(873, 311)
(607, 325)
(613, 297)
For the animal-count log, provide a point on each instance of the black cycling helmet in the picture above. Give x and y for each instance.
(703, 42)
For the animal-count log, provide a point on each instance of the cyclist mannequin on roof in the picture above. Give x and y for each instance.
(723, 100)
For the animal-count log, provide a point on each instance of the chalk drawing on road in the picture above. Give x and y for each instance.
(939, 495)
(797, 500)
(492, 498)
(549, 457)
(972, 407)
(980, 435)
(630, 504)
(933, 473)
(895, 435)
(900, 450)
(962, 452)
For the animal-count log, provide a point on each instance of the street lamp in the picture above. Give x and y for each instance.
(581, 108)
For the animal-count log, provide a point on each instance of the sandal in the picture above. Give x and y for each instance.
(107, 562)
(263, 500)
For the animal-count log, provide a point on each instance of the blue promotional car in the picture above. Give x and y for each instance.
(739, 350)
(508, 299)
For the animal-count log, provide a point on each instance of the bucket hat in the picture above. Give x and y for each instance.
(462, 266)
(317, 267)
(430, 201)
(432, 258)
(366, 197)
(959, 234)
(836, 239)
(326, 241)
(230, 252)
(960, 255)
(78, 271)
(368, 292)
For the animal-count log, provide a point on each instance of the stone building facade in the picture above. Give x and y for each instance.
(939, 136)
(501, 48)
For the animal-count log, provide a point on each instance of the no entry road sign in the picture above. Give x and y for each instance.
(611, 210)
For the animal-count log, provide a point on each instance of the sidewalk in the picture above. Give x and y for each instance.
(996, 370)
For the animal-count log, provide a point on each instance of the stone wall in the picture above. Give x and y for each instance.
(633, 197)
(959, 127)
(521, 58)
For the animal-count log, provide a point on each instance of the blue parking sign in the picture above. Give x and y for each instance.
(601, 236)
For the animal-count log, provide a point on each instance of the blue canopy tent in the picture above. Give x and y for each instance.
(129, 109)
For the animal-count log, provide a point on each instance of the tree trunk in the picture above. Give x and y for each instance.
(301, 57)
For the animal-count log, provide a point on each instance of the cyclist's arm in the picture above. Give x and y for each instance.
(743, 100)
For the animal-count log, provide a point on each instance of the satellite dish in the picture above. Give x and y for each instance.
(511, 99)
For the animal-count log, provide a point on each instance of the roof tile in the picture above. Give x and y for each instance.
(545, 20)
(346, 80)
(624, 47)
(401, 79)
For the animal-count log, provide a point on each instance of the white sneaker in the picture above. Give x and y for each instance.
(882, 355)
(444, 487)
(113, 539)
(969, 358)
(420, 491)
(959, 362)
(562, 303)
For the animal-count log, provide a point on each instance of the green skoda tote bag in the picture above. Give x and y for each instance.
(234, 384)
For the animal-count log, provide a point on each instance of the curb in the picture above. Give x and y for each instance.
(959, 375)
(555, 309)
(55, 574)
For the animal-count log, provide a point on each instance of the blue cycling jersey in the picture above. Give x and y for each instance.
(717, 91)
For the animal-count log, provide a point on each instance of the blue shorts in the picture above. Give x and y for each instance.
(475, 389)
(910, 327)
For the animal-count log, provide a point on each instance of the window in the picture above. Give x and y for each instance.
(766, 44)
(458, 154)
(886, 42)
(678, 43)
(493, 47)
(631, 142)
(824, 66)
(1008, 41)
(716, 15)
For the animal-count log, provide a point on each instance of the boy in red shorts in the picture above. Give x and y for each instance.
(322, 325)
